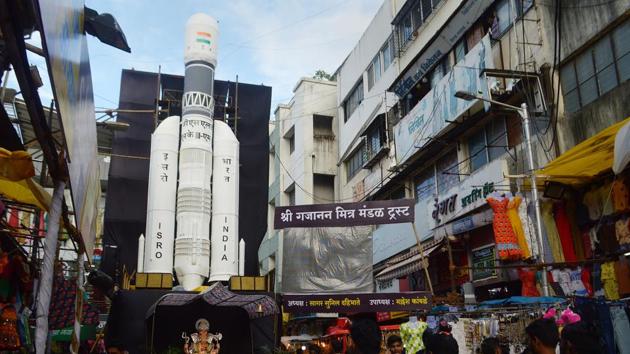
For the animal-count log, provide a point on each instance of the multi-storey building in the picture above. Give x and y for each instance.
(403, 133)
(302, 160)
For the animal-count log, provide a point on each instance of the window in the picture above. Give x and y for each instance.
(487, 144)
(290, 136)
(388, 53)
(322, 126)
(355, 162)
(597, 70)
(427, 8)
(522, 6)
(407, 29)
(417, 15)
(354, 100)
(460, 51)
(477, 150)
(374, 71)
(425, 184)
(376, 138)
(504, 18)
(438, 72)
(290, 193)
(447, 172)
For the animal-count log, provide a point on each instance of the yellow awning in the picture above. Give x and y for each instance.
(16, 170)
(589, 159)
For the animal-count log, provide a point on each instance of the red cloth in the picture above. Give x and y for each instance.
(586, 280)
(528, 279)
(564, 231)
(506, 242)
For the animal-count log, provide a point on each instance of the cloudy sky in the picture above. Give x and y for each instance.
(271, 42)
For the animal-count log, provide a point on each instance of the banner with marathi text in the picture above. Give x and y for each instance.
(345, 214)
(360, 302)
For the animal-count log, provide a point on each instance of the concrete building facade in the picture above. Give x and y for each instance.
(302, 160)
(449, 153)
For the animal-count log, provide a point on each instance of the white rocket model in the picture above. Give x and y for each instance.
(194, 197)
(208, 152)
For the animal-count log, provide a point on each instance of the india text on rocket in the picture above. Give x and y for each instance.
(205, 155)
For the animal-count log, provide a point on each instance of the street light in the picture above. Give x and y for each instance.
(522, 111)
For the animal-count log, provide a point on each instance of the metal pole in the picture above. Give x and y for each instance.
(426, 271)
(532, 170)
(4, 85)
(47, 272)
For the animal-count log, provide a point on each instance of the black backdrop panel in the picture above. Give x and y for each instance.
(125, 214)
(126, 323)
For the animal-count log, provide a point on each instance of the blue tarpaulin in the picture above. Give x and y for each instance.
(523, 300)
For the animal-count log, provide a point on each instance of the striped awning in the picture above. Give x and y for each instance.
(407, 266)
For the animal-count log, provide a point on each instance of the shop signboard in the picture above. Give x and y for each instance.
(483, 259)
(65, 45)
(359, 302)
(433, 113)
(466, 196)
(345, 214)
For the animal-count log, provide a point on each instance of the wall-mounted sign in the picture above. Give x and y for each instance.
(345, 214)
(469, 195)
(443, 207)
(483, 259)
(360, 302)
(478, 193)
(440, 106)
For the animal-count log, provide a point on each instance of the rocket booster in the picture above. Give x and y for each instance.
(225, 182)
(160, 228)
(192, 245)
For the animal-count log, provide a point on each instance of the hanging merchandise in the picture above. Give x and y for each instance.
(564, 231)
(586, 244)
(571, 211)
(411, 334)
(506, 242)
(621, 328)
(620, 196)
(9, 337)
(605, 193)
(517, 225)
(586, 281)
(528, 226)
(609, 279)
(552, 232)
(528, 280)
(593, 202)
(622, 273)
(622, 231)
(596, 312)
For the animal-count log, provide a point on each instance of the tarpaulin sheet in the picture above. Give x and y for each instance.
(586, 160)
(524, 300)
(16, 170)
(327, 260)
(26, 191)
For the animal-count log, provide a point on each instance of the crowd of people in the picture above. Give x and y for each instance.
(544, 337)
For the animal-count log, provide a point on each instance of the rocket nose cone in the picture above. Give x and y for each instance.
(202, 19)
(201, 38)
